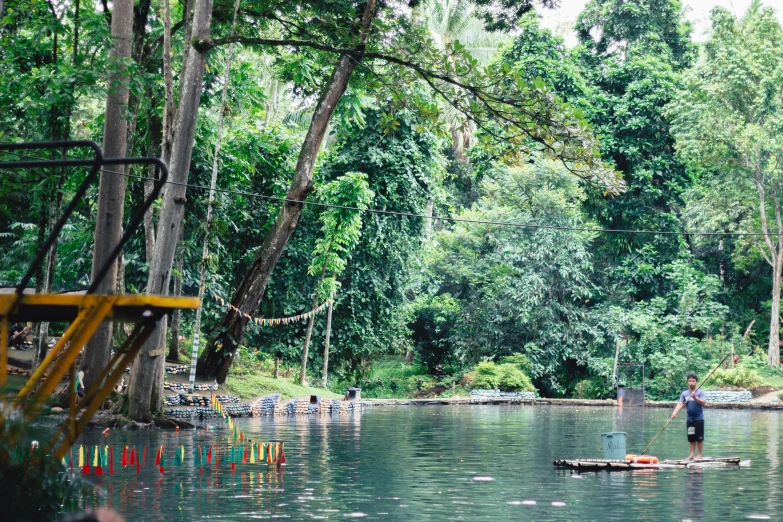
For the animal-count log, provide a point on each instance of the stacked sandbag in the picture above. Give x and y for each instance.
(728, 396)
(185, 387)
(191, 413)
(237, 410)
(497, 394)
(265, 405)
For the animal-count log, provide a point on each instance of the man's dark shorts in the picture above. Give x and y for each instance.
(695, 431)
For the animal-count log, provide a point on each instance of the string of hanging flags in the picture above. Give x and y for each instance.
(261, 321)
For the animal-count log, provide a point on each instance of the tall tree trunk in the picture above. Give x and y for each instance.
(168, 83)
(154, 137)
(176, 316)
(149, 224)
(55, 209)
(326, 344)
(773, 256)
(311, 322)
(208, 225)
(217, 357)
(773, 350)
(271, 102)
(111, 190)
(158, 368)
(150, 358)
(189, 21)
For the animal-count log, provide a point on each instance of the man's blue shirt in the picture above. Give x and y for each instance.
(695, 410)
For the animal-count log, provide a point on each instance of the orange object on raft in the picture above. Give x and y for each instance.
(641, 459)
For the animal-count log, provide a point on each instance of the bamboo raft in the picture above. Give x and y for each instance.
(622, 465)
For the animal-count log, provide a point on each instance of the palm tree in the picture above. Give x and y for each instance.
(456, 20)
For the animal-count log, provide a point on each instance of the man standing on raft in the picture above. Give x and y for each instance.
(694, 401)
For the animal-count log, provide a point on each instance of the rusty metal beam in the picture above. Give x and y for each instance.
(86, 312)
(37, 373)
(97, 393)
(85, 329)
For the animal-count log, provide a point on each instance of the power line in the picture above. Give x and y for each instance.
(534, 226)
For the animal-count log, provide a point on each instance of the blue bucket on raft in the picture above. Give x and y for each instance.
(614, 445)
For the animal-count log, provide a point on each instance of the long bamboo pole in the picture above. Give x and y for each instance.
(686, 402)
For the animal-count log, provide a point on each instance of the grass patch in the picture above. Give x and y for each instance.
(251, 386)
(776, 381)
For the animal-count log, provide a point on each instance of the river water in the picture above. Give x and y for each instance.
(457, 463)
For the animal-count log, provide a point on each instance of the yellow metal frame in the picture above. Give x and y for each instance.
(85, 313)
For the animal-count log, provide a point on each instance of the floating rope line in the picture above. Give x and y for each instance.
(261, 321)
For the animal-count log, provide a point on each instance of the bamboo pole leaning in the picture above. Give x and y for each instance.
(686, 402)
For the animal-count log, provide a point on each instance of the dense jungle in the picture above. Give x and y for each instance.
(464, 201)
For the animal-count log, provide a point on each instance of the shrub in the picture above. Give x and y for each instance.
(738, 377)
(431, 330)
(506, 377)
(519, 360)
(593, 388)
(486, 376)
(511, 378)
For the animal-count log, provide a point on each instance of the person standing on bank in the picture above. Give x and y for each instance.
(694, 400)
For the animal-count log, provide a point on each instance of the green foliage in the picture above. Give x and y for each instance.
(390, 378)
(592, 388)
(551, 305)
(340, 227)
(727, 120)
(503, 376)
(737, 377)
(519, 360)
(518, 290)
(631, 55)
(668, 333)
(251, 362)
(434, 318)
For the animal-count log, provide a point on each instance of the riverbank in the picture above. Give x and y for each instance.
(502, 401)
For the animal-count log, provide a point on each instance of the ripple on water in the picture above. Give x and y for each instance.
(558, 504)
(759, 517)
(483, 479)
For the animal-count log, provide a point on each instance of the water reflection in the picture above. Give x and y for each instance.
(774, 461)
(456, 463)
(693, 503)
